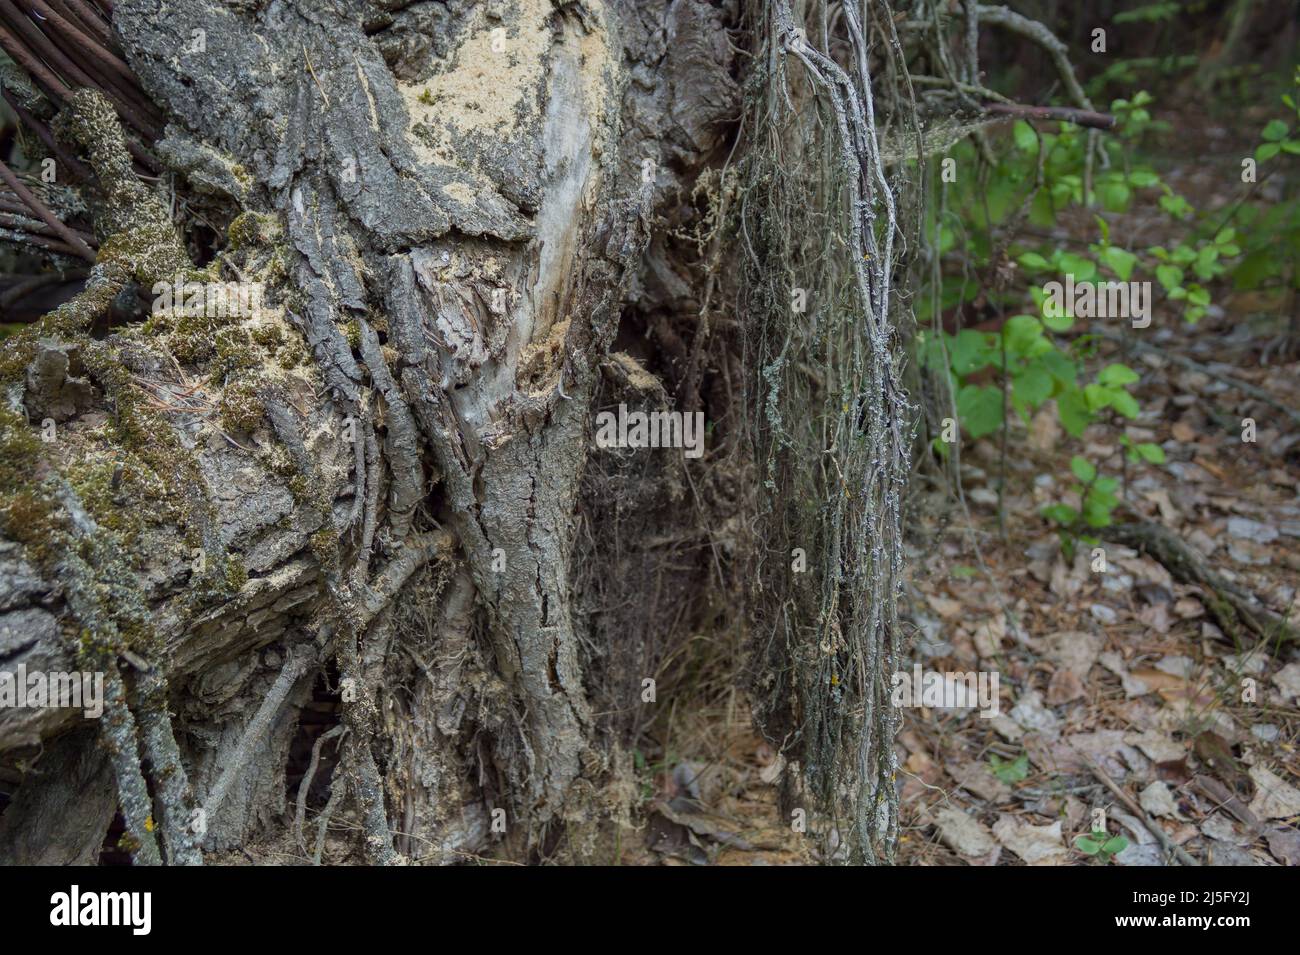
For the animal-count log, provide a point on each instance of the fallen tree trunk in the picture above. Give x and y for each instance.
(306, 471)
(445, 205)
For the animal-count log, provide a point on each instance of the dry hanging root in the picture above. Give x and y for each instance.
(125, 730)
(825, 235)
(834, 421)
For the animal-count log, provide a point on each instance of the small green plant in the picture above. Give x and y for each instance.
(1279, 136)
(645, 775)
(1096, 496)
(1100, 845)
(1206, 261)
(1270, 231)
(1137, 451)
(1010, 771)
(1041, 357)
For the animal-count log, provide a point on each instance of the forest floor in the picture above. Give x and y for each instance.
(1123, 704)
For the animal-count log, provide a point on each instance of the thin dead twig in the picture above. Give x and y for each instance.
(1153, 827)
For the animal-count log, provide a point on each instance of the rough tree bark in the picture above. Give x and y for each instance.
(366, 491)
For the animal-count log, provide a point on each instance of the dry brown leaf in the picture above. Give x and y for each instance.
(944, 606)
(1064, 688)
(1037, 845)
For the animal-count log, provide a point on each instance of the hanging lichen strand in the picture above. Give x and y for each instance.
(821, 233)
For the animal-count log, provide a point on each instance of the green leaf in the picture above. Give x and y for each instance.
(1058, 323)
(1124, 403)
(1010, 771)
(1097, 396)
(1087, 845)
(1025, 137)
(1121, 262)
(947, 237)
(980, 408)
(1275, 131)
(1033, 262)
(1074, 411)
(1061, 368)
(969, 351)
(1117, 375)
(1205, 262)
(1152, 453)
(1062, 514)
(1267, 151)
(1096, 511)
(1169, 276)
(1020, 333)
(1033, 386)
(1083, 469)
(1114, 195)
(1082, 268)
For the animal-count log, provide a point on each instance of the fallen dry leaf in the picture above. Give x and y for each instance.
(1158, 800)
(1073, 650)
(964, 834)
(1064, 688)
(1284, 844)
(978, 779)
(1037, 845)
(944, 606)
(1274, 797)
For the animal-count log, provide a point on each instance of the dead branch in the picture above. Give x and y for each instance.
(42, 211)
(1230, 605)
(1065, 114)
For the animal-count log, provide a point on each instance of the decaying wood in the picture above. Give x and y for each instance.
(454, 246)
